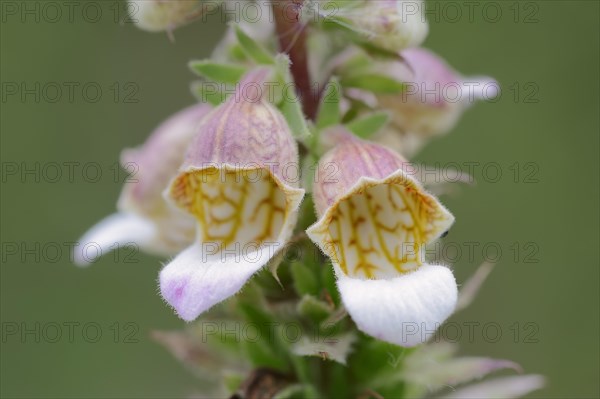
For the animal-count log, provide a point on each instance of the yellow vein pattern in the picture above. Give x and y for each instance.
(234, 208)
(380, 229)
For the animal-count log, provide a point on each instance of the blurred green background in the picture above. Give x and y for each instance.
(545, 125)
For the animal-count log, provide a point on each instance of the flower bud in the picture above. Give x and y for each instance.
(392, 25)
(165, 15)
(435, 97)
(154, 164)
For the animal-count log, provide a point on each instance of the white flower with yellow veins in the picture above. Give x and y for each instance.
(144, 217)
(235, 182)
(374, 222)
(167, 15)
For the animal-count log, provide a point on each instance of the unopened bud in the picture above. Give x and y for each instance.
(166, 15)
(392, 25)
(434, 99)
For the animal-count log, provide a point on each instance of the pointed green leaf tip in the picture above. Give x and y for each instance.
(369, 125)
(252, 49)
(378, 84)
(304, 280)
(216, 72)
(288, 102)
(292, 111)
(329, 111)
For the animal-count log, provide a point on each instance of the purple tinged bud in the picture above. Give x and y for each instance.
(154, 164)
(430, 71)
(166, 15)
(434, 100)
(436, 94)
(342, 167)
(246, 132)
(392, 25)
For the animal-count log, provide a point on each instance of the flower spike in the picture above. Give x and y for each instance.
(374, 222)
(235, 182)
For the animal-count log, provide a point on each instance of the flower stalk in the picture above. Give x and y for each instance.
(328, 294)
(292, 36)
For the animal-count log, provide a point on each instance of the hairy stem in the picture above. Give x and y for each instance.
(292, 41)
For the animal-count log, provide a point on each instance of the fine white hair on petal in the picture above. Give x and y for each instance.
(201, 276)
(118, 229)
(405, 310)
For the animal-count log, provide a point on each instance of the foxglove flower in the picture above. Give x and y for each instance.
(144, 217)
(435, 98)
(236, 183)
(374, 222)
(392, 25)
(166, 15)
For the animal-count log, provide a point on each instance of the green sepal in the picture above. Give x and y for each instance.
(369, 125)
(374, 360)
(313, 308)
(329, 110)
(252, 49)
(261, 355)
(375, 83)
(261, 338)
(309, 169)
(304, 279)
(292, 111)
(291, 108)
(328, 282)
(218, 72)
